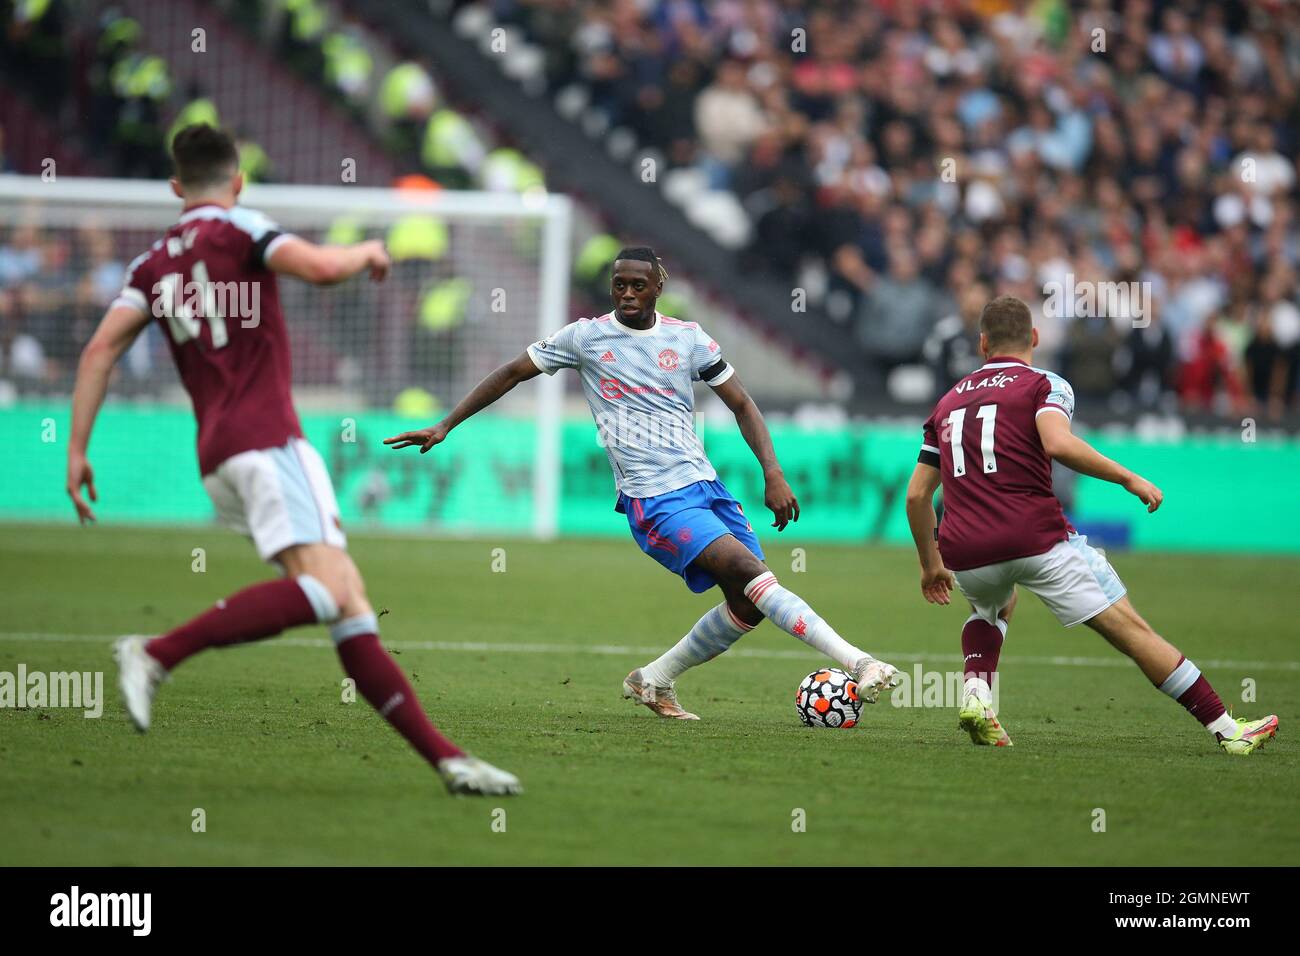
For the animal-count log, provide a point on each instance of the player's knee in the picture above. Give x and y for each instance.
(354, 600)
(333, 584)
(323, 598)
(744, 609)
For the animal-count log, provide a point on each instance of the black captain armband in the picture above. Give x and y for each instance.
(928, 457)
(258, 251)
(718, 368)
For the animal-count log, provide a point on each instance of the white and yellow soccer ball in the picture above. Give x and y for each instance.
(828, 698)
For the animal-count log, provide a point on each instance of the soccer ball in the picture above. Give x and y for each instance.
(828, 698)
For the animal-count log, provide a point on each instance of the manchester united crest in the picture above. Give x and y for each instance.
(668, 360)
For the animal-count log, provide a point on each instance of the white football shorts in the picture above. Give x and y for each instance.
(1073, 579)
(277, 496)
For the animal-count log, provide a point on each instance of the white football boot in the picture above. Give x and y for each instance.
(138, 675)
(470, 775)
(662, 700)
(873, 676)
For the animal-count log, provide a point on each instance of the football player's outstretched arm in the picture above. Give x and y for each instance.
(1073, 452)
(329, 265)
(936, 580)
(119, 328)
(777, 495)
(496, 384)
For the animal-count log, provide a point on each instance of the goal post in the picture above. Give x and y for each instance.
(477, 277)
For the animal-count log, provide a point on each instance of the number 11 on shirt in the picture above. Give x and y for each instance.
(956, 420)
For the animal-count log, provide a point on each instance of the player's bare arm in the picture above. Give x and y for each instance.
(936, 580)
(1072, 451)
(118, 329)
(777, 494)
(329, 265)
(494, 385)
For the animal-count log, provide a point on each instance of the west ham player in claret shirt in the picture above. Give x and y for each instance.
(265, 480)
(990, 442)
(638, 371)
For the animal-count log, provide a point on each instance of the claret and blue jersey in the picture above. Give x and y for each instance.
(997, 479)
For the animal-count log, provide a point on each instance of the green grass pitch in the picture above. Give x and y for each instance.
(524, 668)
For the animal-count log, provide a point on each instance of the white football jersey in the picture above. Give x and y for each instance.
(639, 385)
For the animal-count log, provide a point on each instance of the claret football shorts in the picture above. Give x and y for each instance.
(277, 496)
(1073, 579)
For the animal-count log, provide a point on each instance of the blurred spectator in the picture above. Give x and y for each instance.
(1209, 377)
(782, 228)
(1272, 359)
(20, 255)
(1088, 361)
(21, 355)
(728, 119)
(898, 312)
(1144, 362)
(953, 349)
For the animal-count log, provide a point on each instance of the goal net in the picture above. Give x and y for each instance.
(476, 278)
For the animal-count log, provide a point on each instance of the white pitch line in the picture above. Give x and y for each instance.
(615, 650)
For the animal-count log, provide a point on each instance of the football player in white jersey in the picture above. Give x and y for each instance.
(638, 371)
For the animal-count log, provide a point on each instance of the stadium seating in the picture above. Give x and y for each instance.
(894, 163)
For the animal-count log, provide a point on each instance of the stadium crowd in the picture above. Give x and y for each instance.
(924, 156)
(902, 161)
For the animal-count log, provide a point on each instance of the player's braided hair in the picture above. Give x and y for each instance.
(644, 254)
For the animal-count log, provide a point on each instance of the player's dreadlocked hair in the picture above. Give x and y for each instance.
(204, 156)
(644, 254)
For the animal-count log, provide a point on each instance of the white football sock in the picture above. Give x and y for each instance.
(980, 688)
(791, 613)
(1223, 724)
(711, 635)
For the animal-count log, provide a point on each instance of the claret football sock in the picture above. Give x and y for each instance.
(257, 612)
(981, 646)
(1190, 688)
(712, 634)
(791, 613)
(386, 688)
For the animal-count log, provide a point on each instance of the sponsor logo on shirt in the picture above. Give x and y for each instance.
(613, 389)
(608, 357)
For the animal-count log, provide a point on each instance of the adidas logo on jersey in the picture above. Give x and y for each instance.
(608, 357)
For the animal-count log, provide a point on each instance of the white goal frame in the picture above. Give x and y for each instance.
(149, 204)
